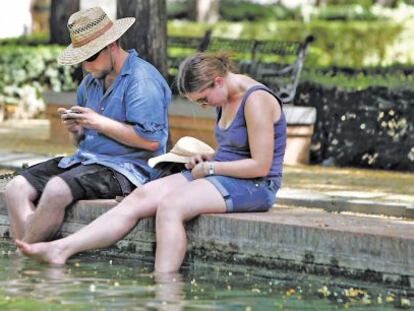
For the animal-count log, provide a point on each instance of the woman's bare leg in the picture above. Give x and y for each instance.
(190, 200)
(109, 227)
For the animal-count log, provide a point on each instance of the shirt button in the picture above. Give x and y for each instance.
(102, 109)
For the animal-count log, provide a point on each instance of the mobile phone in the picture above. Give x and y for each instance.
(70, 114)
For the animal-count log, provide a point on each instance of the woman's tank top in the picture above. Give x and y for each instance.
(233, 143)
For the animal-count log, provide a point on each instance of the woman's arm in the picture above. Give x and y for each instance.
(261, 112)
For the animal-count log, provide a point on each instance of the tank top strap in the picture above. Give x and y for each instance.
(256, 88)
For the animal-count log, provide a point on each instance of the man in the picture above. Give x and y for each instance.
(120, 121)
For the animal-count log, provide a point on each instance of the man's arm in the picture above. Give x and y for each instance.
(122, 132)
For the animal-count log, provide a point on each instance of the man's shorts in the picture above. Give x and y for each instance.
(243, 195)
(85, 181)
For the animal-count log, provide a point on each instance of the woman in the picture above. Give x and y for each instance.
(244, 175)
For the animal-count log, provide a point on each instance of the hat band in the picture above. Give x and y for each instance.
(97, 34)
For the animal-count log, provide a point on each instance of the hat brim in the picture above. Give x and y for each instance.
(168, 157)
(75, 55)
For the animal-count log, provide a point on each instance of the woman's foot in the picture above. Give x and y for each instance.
(43, 252)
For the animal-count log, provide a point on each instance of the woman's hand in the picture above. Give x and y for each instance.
(203, 169)
(194, 160)
(199, 171)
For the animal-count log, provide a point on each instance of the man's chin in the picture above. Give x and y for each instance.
(98, 75)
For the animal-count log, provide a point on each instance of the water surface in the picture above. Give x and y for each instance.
(93, 282)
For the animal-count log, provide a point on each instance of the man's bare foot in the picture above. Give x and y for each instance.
(42, 252)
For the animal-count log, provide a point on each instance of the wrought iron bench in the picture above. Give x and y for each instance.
(277, 64)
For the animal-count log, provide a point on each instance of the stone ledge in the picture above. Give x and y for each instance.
(290, 238)
(374, 205)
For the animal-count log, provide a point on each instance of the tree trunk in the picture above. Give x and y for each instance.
(207, 11)
(60, 11)
(148, 35)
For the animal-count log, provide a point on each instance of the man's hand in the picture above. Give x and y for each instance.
(70, 123)
(86, 117)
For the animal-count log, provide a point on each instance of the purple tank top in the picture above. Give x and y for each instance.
(233, 143)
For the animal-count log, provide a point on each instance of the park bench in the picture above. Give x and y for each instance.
(277, 64)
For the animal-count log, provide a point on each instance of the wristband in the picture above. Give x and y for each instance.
(211, 171)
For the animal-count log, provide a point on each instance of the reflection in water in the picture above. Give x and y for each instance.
(93, 282)
(169, 291)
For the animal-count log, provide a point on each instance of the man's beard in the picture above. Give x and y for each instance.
(101, 74)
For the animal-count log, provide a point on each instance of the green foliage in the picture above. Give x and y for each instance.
(391, 79)
(234, 10)
(243, 10)
(181, 9)
(34, 39)
(364, 3)
(345, 12)
(337, 43)
(23, 67)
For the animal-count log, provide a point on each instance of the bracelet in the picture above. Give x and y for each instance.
(211, 171)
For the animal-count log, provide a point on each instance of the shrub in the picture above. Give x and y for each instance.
(345, 12)
(31, 40)
(27, 71)
(337, 43)
(394, 77)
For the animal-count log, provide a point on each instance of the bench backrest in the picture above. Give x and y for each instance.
(277, 64)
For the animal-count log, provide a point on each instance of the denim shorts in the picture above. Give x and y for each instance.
(243, 195)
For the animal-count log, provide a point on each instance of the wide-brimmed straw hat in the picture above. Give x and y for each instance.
(90, 31)
(183, 149)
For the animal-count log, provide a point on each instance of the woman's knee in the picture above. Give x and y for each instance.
(141, 196)
(169, 210)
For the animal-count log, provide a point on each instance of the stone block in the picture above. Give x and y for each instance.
(297, 239)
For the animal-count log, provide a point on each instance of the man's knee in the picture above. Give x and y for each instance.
(57, 188)
(20, 187)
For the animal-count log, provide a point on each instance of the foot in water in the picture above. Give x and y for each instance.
(42, 252)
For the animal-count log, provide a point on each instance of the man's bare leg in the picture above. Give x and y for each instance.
(109, 227)
(19, 195)
(50, 211)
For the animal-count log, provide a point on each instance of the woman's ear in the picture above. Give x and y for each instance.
(218, 81)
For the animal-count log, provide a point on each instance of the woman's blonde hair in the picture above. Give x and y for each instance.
(197, 72)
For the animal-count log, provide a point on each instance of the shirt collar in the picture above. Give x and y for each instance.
(126, 67)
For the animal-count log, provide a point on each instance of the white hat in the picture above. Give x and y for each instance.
(90, 31)
(183, 149)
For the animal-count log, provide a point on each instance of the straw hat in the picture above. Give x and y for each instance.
(90, 31)
(183, 149)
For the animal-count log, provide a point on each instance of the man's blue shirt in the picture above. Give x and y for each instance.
(138, 96)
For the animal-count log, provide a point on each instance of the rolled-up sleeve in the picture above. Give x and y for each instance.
(146, 109)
